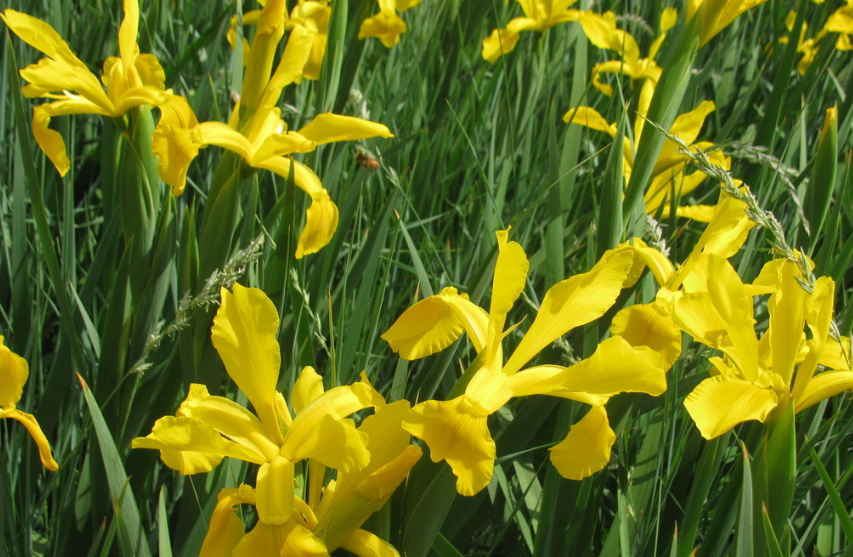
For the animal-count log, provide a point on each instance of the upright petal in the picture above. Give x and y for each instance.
(734, 306)
(573, 302)
(586, 449)
(306, 390)
(244, 333)
(128, 31)
(508, 283)
(787, 318)
(290, 66)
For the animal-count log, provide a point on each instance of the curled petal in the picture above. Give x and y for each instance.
(718, 404)
(50, 141)
(321, 221)
(586, 449)
(435, 323)
(29, 422)
(456, 431)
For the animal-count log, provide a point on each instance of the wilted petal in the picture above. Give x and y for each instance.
(435, 323)
(456, 431)
(586, 449)
(244, 333)
(718, 404)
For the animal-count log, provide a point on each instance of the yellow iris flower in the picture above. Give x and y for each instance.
(716, 15)
(456, 430)
(14, 372)
(387, 25)
(652, 324)
(668, 178)
(208, 428)
(329, 518)
(539, 15)
(314, 16)
(841, 22)
(131, 80)
(256, 131)
(755, 376)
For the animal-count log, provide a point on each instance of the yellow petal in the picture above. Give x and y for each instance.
(174, 144)
(191, 435)
(823, 386)
(290, 66)
(548, 380)
(329, 128)
(284, 540)
(435, 323)
(645, 256)
(649, 325)
(306, 389)
(50, 141)
(819, 309)
(591, 118)
(14, 371)
(364, 544)
(150, 71)
(244, 333)
(225, 529)
(734, 306)
(29, 422)
(386, 26)
(321, 221)
(508, 282)
(190, 462)
(231, 420)
(787, 319)
(275, 491)
(573, 302)
(221, 135)
(586, 449)
(503, 41)
(718, 404)
(127, 32)
(456, 431)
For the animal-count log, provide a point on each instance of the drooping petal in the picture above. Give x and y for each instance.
(225, 529)
(50, 141)
(231, 420)
(364, 544)
(650, 325)
(191, 435)
(590, 118)
(573, 302)
(823, 386)
(280, 540)
(586, 449)
(29, 422)
(174, 144)
(329, 128)
(435, 323)
(456, 431)
(718, 404)
(14, 372)
(386, 26)
(244, 333)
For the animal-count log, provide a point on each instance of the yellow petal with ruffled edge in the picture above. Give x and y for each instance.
(244, 334)
(386, 26)
(33, 428)
(329, 128)
(823, 386)
(320, 432)
(650, 325)
(573, 302)
(435, 323)
(225, 529)
(271, 540)
(586, 449)
(456, 431)
(365, 544)
(14, 372)
(718, 404)
(192, 435)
